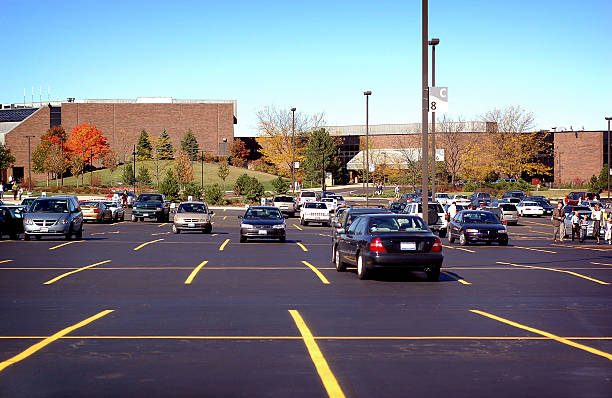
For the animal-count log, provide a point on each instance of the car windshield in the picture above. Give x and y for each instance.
(50, 206)
(149, 198)
(264, 214)
(112, 204)
(16, 212)
(90, 204)
(480, 217)
(192, 208)
(28, 201)
(337, 197)
(397, 224)
(315, 206)
(283, 199)
(396, 206)
(307, 194)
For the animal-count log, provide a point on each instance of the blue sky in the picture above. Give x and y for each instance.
(553, 58)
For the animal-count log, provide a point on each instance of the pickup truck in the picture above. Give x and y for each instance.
(151, 205)
(286, 204)
(315, 212)
(305, 197)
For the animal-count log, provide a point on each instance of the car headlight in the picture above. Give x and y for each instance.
(279, 226)
(158, 208)
(65, 221)
(29, 221)
(470, 231)
(246, 226)
(501, 231)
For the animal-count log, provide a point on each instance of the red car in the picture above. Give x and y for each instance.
(573, 197)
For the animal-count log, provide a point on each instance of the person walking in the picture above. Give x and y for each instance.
(584, 227)
(1, 190)
(597, 217)
(557, 221)
(20, 192)
(608, 233)
(397, 195)
(15, 188)
(575, 221)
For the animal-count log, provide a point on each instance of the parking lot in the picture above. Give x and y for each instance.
(134, 310)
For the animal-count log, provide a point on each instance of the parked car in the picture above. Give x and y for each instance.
(116, 209)
(131, 198)
(96, 211)
(443, 198)
(543, 203)
(11, 220)
(55, 216)
(151, 205)
(331, 203)
(528, 208)
(335, 217)
(581, 213)
(327, 194)
(285, 203)
(460, 200)
(397, 207)
(192, 216)
(347, 217)
(504, 211)
(514, 194)
(573, 198)
(477, 226)
(317, 212)
(375, 241)
(305, 197)
(262, 222)
(28, 201)
(339, 200)
(436, 217)
(570, 209)
(505, 180)
(407, 197)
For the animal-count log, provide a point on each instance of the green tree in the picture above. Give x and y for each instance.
(213, 194)
(189, 145)
(6, 158)
(253, 190)
(39, 158)
(192, 189)
(144, 177)
(280, 185)
(320, 156)
(163, 146)
(144, 147)
(603, 178)
(223, 171)
(240, 184)
(127, 177)
(170, 186)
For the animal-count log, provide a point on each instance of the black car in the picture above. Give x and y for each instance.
(397, 207)
(389, 241)
(477, 226)
(345, 220)
(151, 205)
(11, 220)
(262, 222)
(543, 203)
(514, 194)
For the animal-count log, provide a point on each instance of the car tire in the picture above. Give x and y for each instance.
(208, 229)
(442, 233)
(340, 265)
(134, 218)
(463, 240)
(503, 242)
(362, 271)
(305, 222)
(26, 237)
(282, 240)
(433, 275)
(37, 237)
(69, 234)
(243, 239)
(175, 229)
(79, 235)
(13, 236)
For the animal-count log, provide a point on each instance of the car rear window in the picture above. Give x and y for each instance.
(90, 204)
(283, 199)
(315, 206)
(507, 207)
(396, 224)
(437, 206)
(307, 194)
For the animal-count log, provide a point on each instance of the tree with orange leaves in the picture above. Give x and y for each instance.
(86, 143)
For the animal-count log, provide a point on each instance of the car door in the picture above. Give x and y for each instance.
(456, 225)
(351, 242)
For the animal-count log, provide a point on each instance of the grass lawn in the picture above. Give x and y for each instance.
(103, 176)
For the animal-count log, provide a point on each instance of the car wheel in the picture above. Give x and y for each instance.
(306, 222)
(13, 236)
(243, 239)
(37, 237)
(175, 229)
(79, 235)
(503, 242)
(442, 233)
(208, 229)
(463, 240)
(340, 265)
(134, 218)
(433, 275)
(26, 237)
(362, 271)
(282, 240)
(451, 238)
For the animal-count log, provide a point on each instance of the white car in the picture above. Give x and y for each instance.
(461, 200)
(315, 212)
(443, 199)
(306, 197)
(436, 219)
(526, 208)
(117, 209)
(332, 204)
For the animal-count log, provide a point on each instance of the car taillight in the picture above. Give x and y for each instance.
(447, 217)
(96, 210)
(437, 246)
(377, 246)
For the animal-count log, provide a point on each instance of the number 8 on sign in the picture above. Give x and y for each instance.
(438, 99)
(433, 106)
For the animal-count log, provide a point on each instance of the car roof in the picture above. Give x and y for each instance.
(192, 202)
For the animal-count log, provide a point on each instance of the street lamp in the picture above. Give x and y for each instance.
(202, 159)
(293, 150)
(367, 95)
(29, 163)
(608, 119)
(91, 167)
(424, 105)
(134, 155)
(433, 43)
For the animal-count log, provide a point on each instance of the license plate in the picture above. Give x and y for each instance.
(44, 229)
(408, 245)
(262, 232)
(191, 225)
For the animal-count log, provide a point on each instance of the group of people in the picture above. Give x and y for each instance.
(13, 186)
(580, 224)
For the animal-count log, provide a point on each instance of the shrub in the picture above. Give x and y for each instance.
(253, 190)
(238, 162)
(127, 177)
(144, 177)
(241, 182)
(280, 185)
(470, 187)
(170, 186)
(261, 165)
(213, 194)
(192, 189)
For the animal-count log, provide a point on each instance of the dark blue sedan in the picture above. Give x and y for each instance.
(471, 226)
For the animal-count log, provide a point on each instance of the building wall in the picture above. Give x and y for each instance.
(578, 155)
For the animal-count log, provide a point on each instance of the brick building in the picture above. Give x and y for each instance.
(121, 121)
(579, 154)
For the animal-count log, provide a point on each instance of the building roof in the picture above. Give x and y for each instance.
(394, 158)
(15, 115)
(391, 129)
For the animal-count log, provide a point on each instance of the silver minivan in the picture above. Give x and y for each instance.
(505, 211)
(54, 216)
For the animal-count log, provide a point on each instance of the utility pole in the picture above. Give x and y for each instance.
(62, 140)
(293, 150)
(134, 155)
(608, 148)
(29, 163)
(367, 95)
(202, 170)
(425, 108)
(91, 167)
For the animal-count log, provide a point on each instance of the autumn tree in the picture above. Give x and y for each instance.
(452, 138)
(124, 145)
(189, 145)
(275, 139)
(223, 171)
(144, 147)
(238, 149)
(183, 168)
(110, 161)
(39, 158)
(86, 144)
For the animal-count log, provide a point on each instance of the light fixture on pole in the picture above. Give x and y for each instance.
(91, 167)
(29, 163)
(608, 148)
(367, 95)
(424, 107)
(433, 43)
(293, 150)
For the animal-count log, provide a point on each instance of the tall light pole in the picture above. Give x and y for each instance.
(29, 163)
(425, 106)
(293, 150)
(134, 155)
(367, 95)
(433, 43)
(202, 169)
(91, 169)
(608, 147)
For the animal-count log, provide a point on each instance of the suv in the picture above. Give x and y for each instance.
(436, 217)
(305, 197)
(285, 203)
(151, 205)
(57, 215)
(573, 198)
(346, 219)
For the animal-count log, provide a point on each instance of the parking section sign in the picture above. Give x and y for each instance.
(438, 99)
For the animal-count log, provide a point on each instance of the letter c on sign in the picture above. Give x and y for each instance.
(443, 93)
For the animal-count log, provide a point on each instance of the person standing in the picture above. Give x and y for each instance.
(608, 233)
(584, 226)
(597, 217)
(575, 221)
(397, 195)
(558, 224)
(20, 192)
(15, 188)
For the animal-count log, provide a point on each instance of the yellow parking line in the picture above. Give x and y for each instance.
(224, 210)
(583, 248)
(214, 234)
(64, 244)
(57, 278)
(546, 334)
(327, 377)
(535, 250)
(194, 273)
(161, 225)
(455, 277)
(161, 233)
(97, 233)
(298, 227)
(5, 261)
(460, 248)
(557, 270)
(146, 243)
(302, 246)
(592, 262)
(224, 217)
(223, 245)
(316, 271)
(40, 345)
(325, 235)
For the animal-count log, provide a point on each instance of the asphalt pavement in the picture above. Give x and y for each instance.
(134, 310)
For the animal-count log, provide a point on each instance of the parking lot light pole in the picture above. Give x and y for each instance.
(134, 155)
(424, 107)
(367, 95)
(29, 163)
(293, 150)
(433, 43)
(91, 169)
(202, 159)
(608, 147)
